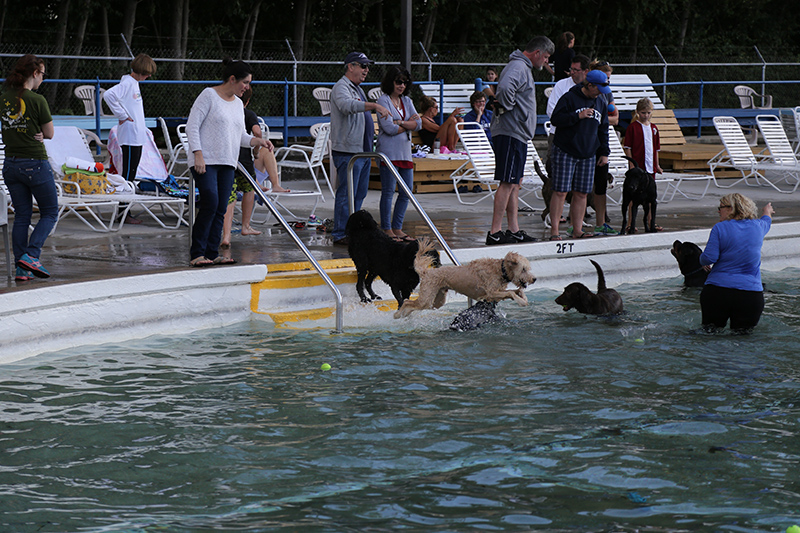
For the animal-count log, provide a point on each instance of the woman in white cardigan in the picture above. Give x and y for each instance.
(394, 140)
(216, 131)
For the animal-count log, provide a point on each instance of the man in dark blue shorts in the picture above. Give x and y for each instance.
(513, 125)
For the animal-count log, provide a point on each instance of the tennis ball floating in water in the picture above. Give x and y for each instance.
(326, 366)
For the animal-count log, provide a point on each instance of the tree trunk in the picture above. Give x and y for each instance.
(128, 23)
(247, 39)
(3, 19)
(299, 38)
(80, 33)
(178, 8)
(427, 35)
(381, 30)
(106, 39)
(685, 16)
(54, 70)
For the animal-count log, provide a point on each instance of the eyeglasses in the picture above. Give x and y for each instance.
(721, 207)
(576, 69)
(401, 82)
(364, 66)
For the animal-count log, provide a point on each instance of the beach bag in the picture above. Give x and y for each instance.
(88, 182)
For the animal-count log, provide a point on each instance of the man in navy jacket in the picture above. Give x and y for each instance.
(581, 121)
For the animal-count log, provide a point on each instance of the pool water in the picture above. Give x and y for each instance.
(549, 420)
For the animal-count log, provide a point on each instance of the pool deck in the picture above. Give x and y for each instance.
(75, 253)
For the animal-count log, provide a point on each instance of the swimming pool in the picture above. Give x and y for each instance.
(549, 420)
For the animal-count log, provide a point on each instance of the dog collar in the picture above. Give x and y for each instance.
(503, 271)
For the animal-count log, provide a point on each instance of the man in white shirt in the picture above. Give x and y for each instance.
(577, 74)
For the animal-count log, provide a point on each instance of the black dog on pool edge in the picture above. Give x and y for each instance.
(638, 189)
(375, 254)
(688, 256)
(577, 295)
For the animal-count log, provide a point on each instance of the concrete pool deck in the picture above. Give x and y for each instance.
(138, 279)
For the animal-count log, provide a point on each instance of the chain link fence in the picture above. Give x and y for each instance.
(323, 64)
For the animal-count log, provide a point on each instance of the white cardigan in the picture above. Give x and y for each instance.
(216, 127)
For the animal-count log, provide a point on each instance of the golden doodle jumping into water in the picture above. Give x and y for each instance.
(482, 279)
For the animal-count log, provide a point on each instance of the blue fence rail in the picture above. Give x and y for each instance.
(297, 126)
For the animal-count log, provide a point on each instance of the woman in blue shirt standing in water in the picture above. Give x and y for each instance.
(733, 289)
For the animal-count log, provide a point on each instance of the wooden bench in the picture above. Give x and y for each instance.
(628, 89)
(450, 96)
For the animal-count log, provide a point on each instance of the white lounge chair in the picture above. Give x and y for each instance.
(738, 155)
(779, 153)
(174, 151)
(4, 226)
(479, 168)
(71, 141)
(790, 118)
(531, 182)
(617, 166)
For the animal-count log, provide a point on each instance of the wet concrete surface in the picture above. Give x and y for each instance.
(75, 253)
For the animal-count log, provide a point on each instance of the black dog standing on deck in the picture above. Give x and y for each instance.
(638, 189)
(578, 296)
(375, 254)
(688, 256)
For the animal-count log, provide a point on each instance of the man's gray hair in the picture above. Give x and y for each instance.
(540, 43)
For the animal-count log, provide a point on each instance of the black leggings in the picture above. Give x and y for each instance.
(719, 304)
(131, 155)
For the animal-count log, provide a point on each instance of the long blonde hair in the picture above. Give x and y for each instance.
(742, 207)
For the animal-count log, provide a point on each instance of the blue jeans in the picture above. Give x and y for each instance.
(387, 191)
(341, 207)
(215, 189)
(27, 179)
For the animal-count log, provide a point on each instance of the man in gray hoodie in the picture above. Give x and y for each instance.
(352, 131)
(513, 125)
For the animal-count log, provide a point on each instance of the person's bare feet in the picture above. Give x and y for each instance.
(250, 231)
(276, 188)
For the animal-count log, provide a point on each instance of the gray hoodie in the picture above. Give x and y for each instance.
(348, 117)
(516, 93)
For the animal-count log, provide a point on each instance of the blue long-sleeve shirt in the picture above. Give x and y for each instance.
(734, 248)
(580, 138)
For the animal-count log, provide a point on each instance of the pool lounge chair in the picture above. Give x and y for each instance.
(738, 155)
(71, 141)
(478, 170)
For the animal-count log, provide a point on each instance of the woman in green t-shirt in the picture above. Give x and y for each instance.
(26, 123)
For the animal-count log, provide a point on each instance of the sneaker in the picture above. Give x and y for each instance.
(497, 238)
(30, 263)
(605, 229)
(23, 275)
(519, 236)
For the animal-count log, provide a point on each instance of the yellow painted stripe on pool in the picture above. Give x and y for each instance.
(326, 264)
(284, 318)
(294, 280)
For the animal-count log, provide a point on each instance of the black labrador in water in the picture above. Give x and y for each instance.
(578, 296)
(688, 256)
(638, 189)
(375, 254)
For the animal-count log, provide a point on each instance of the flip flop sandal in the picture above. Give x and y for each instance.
(200, 262)
(219, 260)
(556, 238)
(406, 238)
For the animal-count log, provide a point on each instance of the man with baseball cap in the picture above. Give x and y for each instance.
(581, 121)
(352, 131)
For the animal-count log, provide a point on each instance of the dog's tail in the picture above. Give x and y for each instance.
(424, 260)
(632, 160)
(601, 278)
(544, 177)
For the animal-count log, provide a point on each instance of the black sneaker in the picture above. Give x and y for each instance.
(497, 238)
(519, 236)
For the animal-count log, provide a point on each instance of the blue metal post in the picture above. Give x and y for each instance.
(700, 110)
(286, 112)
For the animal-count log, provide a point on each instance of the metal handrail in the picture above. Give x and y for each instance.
(402, 184)
(285, 225)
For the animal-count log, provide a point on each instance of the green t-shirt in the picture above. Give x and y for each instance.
(21, 121)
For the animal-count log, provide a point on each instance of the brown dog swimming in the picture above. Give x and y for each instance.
(578, 296)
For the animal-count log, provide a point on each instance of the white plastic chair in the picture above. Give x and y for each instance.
(374, 93)
(738, 155)
(323, 96)
(174, 151)
(479, 168)
(86, 94)
(747, 98)
(310, 157)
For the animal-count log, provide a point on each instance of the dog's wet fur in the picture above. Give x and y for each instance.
(375, 254)
(638, 189)
(688, 256)
(480, 314)
(606, 302)
(481, 279)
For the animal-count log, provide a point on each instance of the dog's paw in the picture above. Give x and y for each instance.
(365, 300)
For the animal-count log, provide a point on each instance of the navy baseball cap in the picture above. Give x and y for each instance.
(599, 78)
(357, 57)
